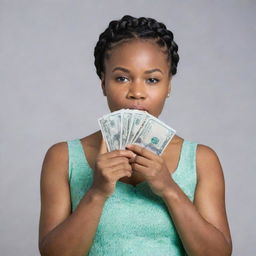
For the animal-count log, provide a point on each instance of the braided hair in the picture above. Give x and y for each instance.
(129, 28)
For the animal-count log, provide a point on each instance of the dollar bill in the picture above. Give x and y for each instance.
(155, 135)
(126, 126)
(103, 123)
(139, 119)
(116, 129)
(112, 129)
(130, 126)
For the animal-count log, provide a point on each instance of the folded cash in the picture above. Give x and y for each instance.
(132, 126)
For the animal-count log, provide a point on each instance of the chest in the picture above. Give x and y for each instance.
(138, 221)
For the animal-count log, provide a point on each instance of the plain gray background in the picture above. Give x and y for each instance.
(50, 93)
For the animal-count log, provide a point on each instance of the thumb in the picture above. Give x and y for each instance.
(103, 147)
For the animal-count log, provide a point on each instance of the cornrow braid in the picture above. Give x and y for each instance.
(129, 28)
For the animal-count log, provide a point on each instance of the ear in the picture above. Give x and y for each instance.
(103, 84)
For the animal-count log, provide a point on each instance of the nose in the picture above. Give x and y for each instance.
(136, 91)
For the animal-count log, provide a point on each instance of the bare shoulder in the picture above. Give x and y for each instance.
(207, 162)
(56, 160)
(58, 153)
(210, 190)
(54, 189)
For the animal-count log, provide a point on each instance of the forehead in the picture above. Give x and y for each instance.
(139, 53)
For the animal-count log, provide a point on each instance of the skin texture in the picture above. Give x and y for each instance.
(126, 82)
(202, 225)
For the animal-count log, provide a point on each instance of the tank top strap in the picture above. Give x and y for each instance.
(76, 155)
(188, 154)
(186, 175)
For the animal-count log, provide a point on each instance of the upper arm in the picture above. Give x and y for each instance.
(210, 191)
(54, 189)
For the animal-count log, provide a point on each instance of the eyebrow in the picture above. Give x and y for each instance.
(146, 72)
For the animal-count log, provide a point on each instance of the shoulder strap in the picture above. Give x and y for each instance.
(76, 154)
(186, 177)
(189, 154)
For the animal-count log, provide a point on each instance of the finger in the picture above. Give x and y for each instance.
(141, 160)
(120, 153)
(112, 170)
(121, 173)
(117, 161)
(141, 151)
(139, 168)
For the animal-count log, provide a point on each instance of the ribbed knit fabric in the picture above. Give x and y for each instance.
(134, 221)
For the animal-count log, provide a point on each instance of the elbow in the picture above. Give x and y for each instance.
(211, 250)
(41, 248)
(48, 249)
(230, 248)
(227, 251)
(44, 248)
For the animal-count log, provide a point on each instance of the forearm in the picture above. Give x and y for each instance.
(75, 235)
(198, 236)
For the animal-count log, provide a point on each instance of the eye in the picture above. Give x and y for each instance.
(153, 80)
(121, 79)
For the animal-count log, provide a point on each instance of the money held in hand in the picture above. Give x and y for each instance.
(132, 126)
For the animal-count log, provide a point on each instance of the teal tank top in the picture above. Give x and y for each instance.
(134, 220)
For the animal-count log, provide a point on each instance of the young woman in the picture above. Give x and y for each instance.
(132, 201)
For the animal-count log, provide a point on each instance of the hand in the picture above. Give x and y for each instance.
(110, 167)
(153, 168)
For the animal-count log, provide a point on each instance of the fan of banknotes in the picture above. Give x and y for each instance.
(132, 126)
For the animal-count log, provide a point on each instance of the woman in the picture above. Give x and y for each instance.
(132, 201)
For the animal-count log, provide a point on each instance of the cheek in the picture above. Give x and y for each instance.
(114, 98)
(157, 102)
(158, 96)
(113, 93)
